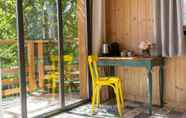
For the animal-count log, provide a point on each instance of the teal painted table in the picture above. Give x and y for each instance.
(148, 63)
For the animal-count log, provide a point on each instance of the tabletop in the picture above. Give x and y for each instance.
(131, 58)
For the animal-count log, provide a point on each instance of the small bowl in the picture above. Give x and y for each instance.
(129, 53)
(123, 53)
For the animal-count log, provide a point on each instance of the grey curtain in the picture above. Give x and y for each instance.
(169, 27)
(99, 34)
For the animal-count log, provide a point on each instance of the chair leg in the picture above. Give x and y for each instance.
(98, 96)
(118, 100)
(93, 98)
(121, 95)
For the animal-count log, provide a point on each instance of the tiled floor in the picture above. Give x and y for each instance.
(132, 110)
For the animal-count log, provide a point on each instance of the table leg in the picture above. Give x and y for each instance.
(149, 91)
(161, 85)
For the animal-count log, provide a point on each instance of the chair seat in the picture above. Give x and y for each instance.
(107, 80)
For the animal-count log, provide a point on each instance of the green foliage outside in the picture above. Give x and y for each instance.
(8, 53)
(40, 22)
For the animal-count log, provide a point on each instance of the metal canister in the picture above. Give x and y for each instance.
(105, 48)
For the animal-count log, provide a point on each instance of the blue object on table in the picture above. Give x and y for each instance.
(148, 63)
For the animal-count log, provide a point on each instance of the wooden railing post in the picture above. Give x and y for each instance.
(41, 64)
(31, 66)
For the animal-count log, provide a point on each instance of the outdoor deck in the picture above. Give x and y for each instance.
(42, 80)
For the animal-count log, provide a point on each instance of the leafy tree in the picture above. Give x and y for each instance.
(40, 22)
(7, 19)
(8, 53)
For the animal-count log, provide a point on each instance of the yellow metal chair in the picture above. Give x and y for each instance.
(98, 82)
(53, 75)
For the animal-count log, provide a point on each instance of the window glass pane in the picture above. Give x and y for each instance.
(71, 50)
(10, 103)
(41, 54)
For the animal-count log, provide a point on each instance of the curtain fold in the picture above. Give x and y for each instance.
(169, 27)
(99, 35)
(98, 21)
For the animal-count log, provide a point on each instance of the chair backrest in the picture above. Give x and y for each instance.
(92, 60)
(67, 58)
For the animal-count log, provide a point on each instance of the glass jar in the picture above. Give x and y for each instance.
(154, 50)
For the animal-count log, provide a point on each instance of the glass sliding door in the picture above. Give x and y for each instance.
(10, 103)
(71, 52)
(41, 56)
(75, 51)
(43, 69)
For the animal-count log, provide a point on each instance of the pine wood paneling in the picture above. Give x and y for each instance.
(128, 22)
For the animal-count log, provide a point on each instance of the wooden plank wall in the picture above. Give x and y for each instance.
(128, 22)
